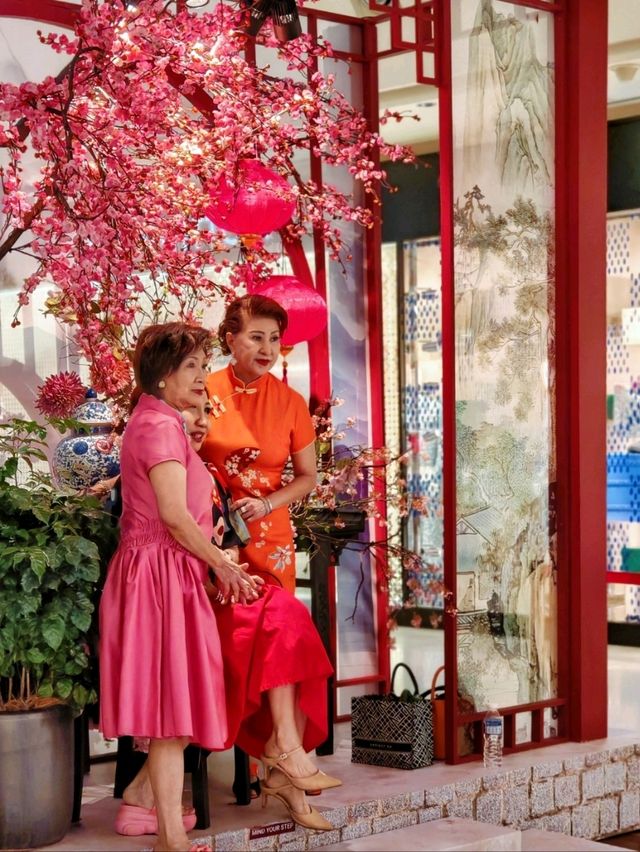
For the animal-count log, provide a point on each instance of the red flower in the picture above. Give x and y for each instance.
(60, 394)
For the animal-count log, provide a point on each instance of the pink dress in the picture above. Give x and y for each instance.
(161, 672)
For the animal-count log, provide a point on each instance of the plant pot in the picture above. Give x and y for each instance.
(36, 780)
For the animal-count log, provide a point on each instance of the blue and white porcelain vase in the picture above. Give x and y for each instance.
(84, 458)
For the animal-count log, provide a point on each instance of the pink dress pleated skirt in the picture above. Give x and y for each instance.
(161, 670)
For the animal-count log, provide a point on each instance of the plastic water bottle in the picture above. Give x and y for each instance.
(492, 729)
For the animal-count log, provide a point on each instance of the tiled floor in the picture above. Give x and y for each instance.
(420, 649)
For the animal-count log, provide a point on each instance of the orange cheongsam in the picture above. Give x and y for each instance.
(253, 430)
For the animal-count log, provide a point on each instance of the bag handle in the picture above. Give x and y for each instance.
(416, 691)
(433, 683)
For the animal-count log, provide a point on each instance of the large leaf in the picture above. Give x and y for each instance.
(53, 631)
(82, 620)
(80, 695)
(64, 687)
(79, 551)
(35, 656)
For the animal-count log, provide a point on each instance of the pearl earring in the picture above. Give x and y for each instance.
(162, 383)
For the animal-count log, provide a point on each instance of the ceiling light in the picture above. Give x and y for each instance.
(283, 14)
(196, 4)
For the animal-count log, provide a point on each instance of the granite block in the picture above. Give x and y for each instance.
(416, 799)
(462, 808)
(593, 783)
(261, 843)
(439, 796)
(292, 841)
(520, 776)
(622, 752)
(468, 788)
(633, 773)
(542, 797)
(429, 814)
(615, 777)
(394, 804)
(560, 822)
(489, 807)
(495, 781)
(362, 828)
(233, 841)
(597, 758)
(336, 816)
(322, 838)
(364, 809)
(585, 821)
(629, 809)
(609, 821)
(547, 770)
(393, 821)
(567, 791)
(516, 805)
(574, 764)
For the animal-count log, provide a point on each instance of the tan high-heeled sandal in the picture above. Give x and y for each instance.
(318, 781)
(313, 819)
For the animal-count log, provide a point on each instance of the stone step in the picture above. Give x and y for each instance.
(533, 839)
(452, 834)
(439, 835)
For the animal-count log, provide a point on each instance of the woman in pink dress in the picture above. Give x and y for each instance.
(161, 672)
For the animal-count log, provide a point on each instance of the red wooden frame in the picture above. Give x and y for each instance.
(582, 208)
(631, 578)
(580, 61)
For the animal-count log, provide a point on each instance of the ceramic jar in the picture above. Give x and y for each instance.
(83, 458)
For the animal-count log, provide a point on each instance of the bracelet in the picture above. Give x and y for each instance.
(267, 505)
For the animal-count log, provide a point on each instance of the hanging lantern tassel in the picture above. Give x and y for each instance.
(285, 351)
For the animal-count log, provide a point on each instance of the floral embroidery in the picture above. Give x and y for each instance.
(240, 459)
(282, 558)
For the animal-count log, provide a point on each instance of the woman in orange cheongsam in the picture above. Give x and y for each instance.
(257, 423)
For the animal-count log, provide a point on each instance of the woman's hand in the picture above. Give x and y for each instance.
(233, 582)
(252, 508)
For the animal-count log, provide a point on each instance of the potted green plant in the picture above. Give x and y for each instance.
(53, 547)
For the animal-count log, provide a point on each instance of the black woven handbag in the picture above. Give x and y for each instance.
(392, 730)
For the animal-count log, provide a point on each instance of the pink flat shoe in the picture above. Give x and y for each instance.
(133, 821)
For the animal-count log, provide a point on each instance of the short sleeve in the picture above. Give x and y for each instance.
(161, 441)
(302, 429)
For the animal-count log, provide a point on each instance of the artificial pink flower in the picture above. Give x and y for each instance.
(59, 395)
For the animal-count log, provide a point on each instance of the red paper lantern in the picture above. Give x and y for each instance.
(256, 200)
(305, 307)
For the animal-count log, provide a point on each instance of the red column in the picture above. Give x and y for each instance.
(581, 114)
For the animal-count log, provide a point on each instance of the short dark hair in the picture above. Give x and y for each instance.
(251, 305)
(162, 348)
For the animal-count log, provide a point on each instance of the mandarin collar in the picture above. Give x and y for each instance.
(148, 402)
(238, 384)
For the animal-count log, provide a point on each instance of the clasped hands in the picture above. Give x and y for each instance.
(233, 583)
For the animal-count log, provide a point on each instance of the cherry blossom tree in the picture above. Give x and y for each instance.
(153, 106)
